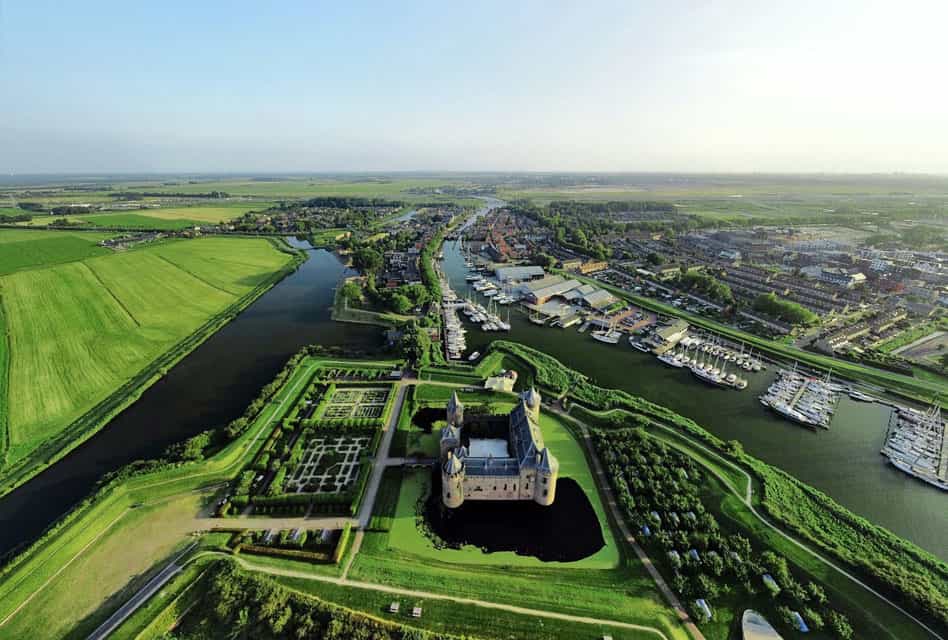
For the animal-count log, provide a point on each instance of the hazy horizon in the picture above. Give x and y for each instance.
(677, 87)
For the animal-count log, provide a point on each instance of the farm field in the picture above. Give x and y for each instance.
(166, 218)
(303, 187)
(78, 331)
(21, 249)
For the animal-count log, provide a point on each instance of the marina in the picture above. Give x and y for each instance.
(802, 399)
(916, 443)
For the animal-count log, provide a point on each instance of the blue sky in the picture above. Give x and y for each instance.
(622, 86)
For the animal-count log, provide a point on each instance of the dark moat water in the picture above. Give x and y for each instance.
(566, 531)
(210, 387)
(425, 418)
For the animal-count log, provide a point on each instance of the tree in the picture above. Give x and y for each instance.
(400, 303)
(655, 259)
(367, 259)
(840, 625)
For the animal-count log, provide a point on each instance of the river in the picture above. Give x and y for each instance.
(209, 387)
(844, 461)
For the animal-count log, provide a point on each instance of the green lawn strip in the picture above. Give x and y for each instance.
(325, 238)
(445, 616)
(102, 576)
(342, 312)
(137, 221)
(910, 335)
(4, 385)
(919, 389)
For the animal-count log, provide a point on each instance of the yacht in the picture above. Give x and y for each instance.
(610, 336)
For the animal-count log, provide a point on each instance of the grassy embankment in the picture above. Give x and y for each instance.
(143, 519)
(914, 578)
(918, 389)
(87, 337)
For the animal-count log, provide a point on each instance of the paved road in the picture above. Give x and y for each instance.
(142, 596)
(388, 431)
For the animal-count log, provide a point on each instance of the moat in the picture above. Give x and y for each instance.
(566, 531)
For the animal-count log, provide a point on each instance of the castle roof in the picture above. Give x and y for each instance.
(525, 435)
(453, 465)
(532, 398)
(454, 403)
(547, 462)
(450, 432)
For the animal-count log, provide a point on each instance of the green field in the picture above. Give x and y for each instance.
(21, 249)
(78, 331)
(164, 218)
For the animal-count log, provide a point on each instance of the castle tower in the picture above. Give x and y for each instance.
(452, 482)
(548, 469)
(455, 415)
(532, 399)
(450, 440)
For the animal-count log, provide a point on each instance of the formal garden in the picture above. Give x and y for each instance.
(317, 458)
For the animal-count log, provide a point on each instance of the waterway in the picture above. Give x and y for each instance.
(844, 461)
(210, 387)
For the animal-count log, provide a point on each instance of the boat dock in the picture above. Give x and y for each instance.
(803, 399)
(916, 443)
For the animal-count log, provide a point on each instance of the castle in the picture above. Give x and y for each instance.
(500, 457)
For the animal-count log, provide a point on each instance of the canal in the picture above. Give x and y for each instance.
(844, 461)
(208, 388)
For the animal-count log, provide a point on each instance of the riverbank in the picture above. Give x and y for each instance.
(81, 429)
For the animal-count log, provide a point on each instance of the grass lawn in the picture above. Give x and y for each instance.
(85, 593)
(22, 249)
(444, 616)
(626, 593)
(78, 331)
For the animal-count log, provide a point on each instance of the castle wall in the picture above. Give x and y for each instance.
(494, 488)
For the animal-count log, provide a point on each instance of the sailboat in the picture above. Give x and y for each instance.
(610, 336)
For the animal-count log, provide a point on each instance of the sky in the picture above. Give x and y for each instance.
(724, 86)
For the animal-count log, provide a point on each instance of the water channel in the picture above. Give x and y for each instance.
(844, 461)
(210, 387)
